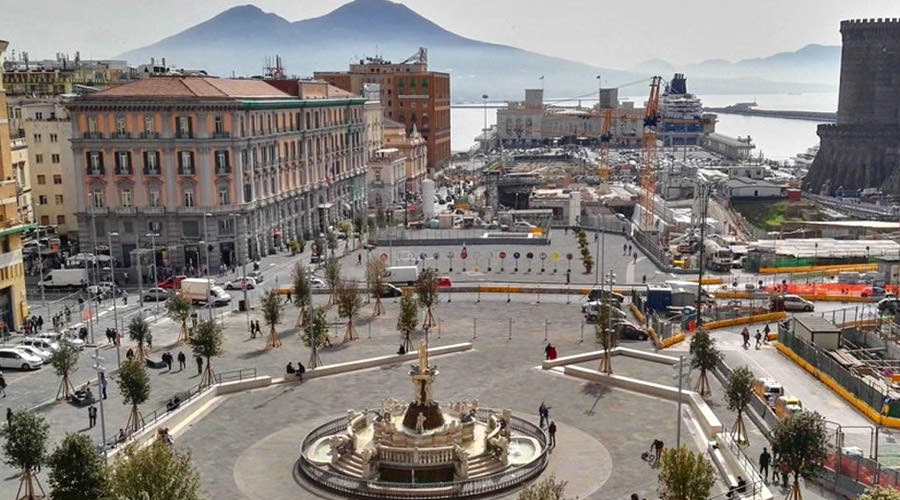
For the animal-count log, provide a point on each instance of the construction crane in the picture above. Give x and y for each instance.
(605, 138)
(648, 167)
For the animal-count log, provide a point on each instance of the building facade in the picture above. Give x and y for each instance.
(410, 94)
(415, 151)
(224, 167)
(386, 174)
(13, 303)
(53, 182)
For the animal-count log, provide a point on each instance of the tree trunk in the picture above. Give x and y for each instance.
(379, 307)
(209, 376)
(606, 363)
(350, 334)
(65, 388)
(141, 354)
(300, 323)
(739, 431)
(702, 386)
(274, 341)
(184, 334)
(407, 342)
(429, 319)
(135, 420)
(27, 482)
(795, 493)
(314, 360)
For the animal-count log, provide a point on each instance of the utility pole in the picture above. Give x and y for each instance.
(703, 192)
(112, 268)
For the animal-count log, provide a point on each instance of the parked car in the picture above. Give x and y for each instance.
(317, 282)
(156, 294)
(444, 281)
(591, 311)
(889, 305)
(62, 339)
(598, 294)
(40, 343)
(240, 283)
(630, 331)
(389, 290)
(791, 303)
(256, 275)
(10, 357)
(44, 355)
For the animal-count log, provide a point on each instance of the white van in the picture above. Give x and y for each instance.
(402, 275)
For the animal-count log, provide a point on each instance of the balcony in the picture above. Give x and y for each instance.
(221, 135)
(97, 210)
(149, 135)
(95, 171)
(124, 210)
(223, 170)
(187, 171)
(92, 135)
(184, 135)
(120, 135)
(152, 171)
(125, 171)
(153, 210)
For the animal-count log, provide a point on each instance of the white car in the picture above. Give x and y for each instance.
(40, 343)
(14, 358)
(316, 282)
(62, 339)
(44, 355)
(238, 284)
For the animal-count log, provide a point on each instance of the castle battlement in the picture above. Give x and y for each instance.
(891, 23)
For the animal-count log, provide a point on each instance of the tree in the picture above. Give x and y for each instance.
(139, 331)
(207, 343)
(546, 489)
(25, 447)
(800, 440)
(319, 245)
(608, 337)
(78, 471)
(134, 383)
(427, 293)
(315, 333)
(155, 472)
(705, 356)
(349, 303)
(272, 308)
(302, 293)
(685, 475)
(586, 257)
(880, 493)
(332, 242)
(406, 321)
(376, 273)
(293, 246)
(301, 245)
(738, 391)
(64, 361)
(180, 307)
(332, 277)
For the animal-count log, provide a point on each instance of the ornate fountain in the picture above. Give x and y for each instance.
(423, 448)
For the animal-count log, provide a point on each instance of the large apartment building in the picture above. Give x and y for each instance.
(410, 94)
(13, 304)
(237, 164)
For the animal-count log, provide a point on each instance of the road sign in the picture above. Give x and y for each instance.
(529, 255)
(517, 255)
(423, 255)
(554, 256)
(569, 256)
(502, 255)
(463, 255)
(449, 255)
(436, 256)
(383, 257)
(543, 256)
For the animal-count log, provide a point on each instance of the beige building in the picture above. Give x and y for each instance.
(22, 175)
(13, 303)
(414, 148)
(386, 175)
(53, 183)
(374, 115)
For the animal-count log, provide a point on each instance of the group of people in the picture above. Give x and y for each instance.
(298, 372)
(33, 324)
(61, 318)
(544, 414)
(113, 336)
(168, 359)
(550, 351)
(761, 338)
(255, 329)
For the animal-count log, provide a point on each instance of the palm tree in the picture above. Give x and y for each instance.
(180, 307)
(139, 331)
(206, 343)
(272, 308)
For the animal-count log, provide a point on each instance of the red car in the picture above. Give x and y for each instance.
(172, 282)
(444, 281)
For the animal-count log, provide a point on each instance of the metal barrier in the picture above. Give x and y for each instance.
(343, 484)
(236, 375)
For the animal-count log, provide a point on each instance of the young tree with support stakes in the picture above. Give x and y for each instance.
(25, 447)
(155, 472)
(139, 331)
(376, 274)
(272, 309)
(607, 337)
(704, 356)
(207, 343)
(134, 383)
(349, 304)
(179, 307)
(685, 475)
(77, 470)
(332, 277)
(427, 293)
(546, 489)
(315, 332)
(800, 440)
(64, 362)
(332, 243)
(302, 293)
(406, 321)
(738, 391)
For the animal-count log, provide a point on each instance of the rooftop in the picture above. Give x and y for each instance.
(190, 87)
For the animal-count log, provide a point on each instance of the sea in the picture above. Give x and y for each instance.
(776, 138)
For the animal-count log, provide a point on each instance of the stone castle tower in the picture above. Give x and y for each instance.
(863, 148)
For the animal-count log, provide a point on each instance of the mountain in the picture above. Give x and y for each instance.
(815, 64)
(238, 40)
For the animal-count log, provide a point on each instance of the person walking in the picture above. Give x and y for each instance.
(182, 360)
(2, 385)
(544, 413)
(759, 338)
(764, 460)
(624, 248)
(568, 276)
(766, 331)
(199, 364)
(635, 257)
(168, 359)
(103, 384)
(9, 415)
(551, 429)
(92, 416)
(745, 334)
(300, 370)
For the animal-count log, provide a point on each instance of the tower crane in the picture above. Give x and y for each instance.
(605, 138)
(648, 168)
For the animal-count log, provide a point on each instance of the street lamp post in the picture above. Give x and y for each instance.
(153, 237)
(98, 366)
(140, 275)
(41, 272)
(208, 282)
(484, 144)
(243, 266)
(112, 269)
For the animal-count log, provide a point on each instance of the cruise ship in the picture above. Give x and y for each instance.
(682, 114)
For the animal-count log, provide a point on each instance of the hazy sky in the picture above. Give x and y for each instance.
(616, 34)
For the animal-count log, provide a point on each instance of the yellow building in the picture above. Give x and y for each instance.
(13, 304)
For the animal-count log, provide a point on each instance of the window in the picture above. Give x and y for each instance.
(128, 226)
(219, 125)
(58, 199)
(226, 226)
(54, 138)
(154, 226)
(45, 220)
(125, 197)
(95, 162)
(148, 124)
(97, 198)
(42, 179)
(154, 197)
(39, 158)
(190, 228)
(42, 199)
(186, 163)
(184, 126)
(223, 195)
(120, 125)
(222, 166)
(151, 162)
(188, 197)
(123, 163)
(60, 219)
(92, 124)
(39, 116)
(54, 158)
(37, 138)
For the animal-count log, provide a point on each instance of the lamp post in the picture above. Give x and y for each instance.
(153, 237)
(243, 267)
(485, 145)
(140, 275)
(98, 366)
(208, 282)
(41, 272)
(112, 269)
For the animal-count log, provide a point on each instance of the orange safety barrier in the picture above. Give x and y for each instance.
(834, 269)
(820, 289)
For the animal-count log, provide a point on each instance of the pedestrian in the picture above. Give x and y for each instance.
(766, 331)
(258, 329)
(300, 370)
(625, 252)
(745, 334)
(552, 430)
(252, 330)
(764, 460)
(103, 384)
(657, 448)
(199, 364)
(124, 297)
(92, 416)
(758, 339)
(635, 257)
(2, 385)
(40, 322)
(629, 249)
(544, 413)
(568, 276)
(359, 260)
(182, 360)
(129, 354)
(9, 415)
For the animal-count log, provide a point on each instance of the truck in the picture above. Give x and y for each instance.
(717, 257)
(201, 290)
(65, 278)
(402, 275)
